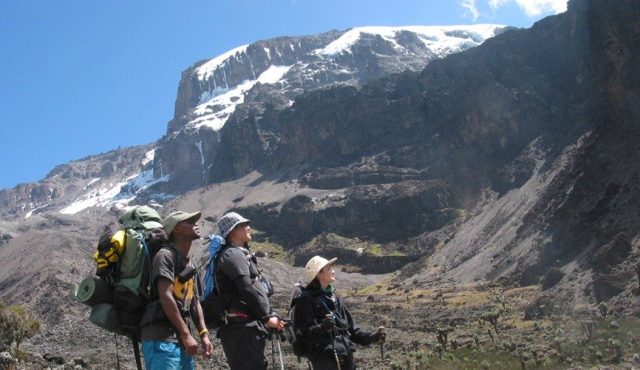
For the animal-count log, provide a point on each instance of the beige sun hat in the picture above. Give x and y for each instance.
(314, 266)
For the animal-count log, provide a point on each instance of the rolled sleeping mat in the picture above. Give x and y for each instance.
(93, 291)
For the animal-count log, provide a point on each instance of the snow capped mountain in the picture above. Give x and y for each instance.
(286, 67)
(118, 178)
(120, 190)
(266, 73)
(207, 70)
(442, 40)
(119, 194)
(268, 62)
(218, 104)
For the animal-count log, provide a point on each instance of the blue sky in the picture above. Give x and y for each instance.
(83, 77)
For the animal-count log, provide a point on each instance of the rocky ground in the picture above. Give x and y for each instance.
(449, 327)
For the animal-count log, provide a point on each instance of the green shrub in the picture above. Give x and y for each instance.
(16, 325)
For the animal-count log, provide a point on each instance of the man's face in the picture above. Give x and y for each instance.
(241, 233)
(187, 229)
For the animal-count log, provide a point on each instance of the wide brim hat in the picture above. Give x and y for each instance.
(314, 266)
(174, 218)
(229, 221)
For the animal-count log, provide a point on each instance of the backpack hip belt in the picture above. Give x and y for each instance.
(236, 315)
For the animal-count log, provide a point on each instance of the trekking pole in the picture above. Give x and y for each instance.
(136, 353)
(280, 353)
(381, 330)
(273, 351)
(335, 354)
(330, 316)
(115, 336)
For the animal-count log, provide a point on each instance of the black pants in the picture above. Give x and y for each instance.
(244, 347)
(329, 363)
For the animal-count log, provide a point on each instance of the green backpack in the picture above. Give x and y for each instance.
(121, 288)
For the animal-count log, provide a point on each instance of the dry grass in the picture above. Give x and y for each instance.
(273, 250)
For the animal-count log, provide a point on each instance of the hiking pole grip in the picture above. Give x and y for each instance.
(381, 331)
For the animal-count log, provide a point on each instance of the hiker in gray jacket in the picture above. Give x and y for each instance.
(245, 293)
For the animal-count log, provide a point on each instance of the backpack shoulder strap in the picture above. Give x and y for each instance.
(172, 248)
(174, 255)
(294, 300)
(252, 261)
(325, 305)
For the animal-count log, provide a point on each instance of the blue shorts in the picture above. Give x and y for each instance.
(166, 356)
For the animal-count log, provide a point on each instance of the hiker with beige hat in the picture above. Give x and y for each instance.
(325, 323)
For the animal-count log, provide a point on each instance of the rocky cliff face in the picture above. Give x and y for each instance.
(578, 211)
(268, 75)
(525, 134)
(483, 106)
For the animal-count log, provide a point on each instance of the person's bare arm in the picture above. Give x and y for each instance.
(170, 308)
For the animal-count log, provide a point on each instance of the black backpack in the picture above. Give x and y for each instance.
(294, 335)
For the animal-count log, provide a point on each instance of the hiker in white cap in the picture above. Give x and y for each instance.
(245, 293)
(325, 323)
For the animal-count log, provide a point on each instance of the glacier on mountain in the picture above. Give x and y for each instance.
(121, 193)
(440, 39)
(325, 65)
(215, 111)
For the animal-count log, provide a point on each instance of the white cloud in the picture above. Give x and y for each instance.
(470, 6)
(533, 8)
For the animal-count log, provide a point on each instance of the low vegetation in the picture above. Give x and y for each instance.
(273, 250)
(483, 327)
(16, 326)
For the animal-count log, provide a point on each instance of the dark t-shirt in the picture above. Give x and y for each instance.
(167, 264)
